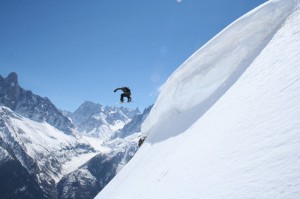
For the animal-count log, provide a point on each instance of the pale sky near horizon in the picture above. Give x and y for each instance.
(72, 51)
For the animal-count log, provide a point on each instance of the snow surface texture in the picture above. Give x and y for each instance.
(226, 123)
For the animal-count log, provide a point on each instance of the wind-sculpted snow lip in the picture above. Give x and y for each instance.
(204, 77)
(226, 132)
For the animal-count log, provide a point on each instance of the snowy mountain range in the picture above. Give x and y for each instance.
(226, 122)
(94, 120)
(40, 148)
(31, 105)
(50, 154)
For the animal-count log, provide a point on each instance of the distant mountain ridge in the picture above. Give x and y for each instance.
(95, 120)
(134, 125)
(31, 105)
(45, 152)
(39, 148)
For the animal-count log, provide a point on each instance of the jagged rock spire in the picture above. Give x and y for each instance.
(31, 105)
(9, 88)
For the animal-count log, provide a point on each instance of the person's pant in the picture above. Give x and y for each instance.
(125, 95)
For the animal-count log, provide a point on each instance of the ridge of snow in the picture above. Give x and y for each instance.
(226, 132)
(204, 77)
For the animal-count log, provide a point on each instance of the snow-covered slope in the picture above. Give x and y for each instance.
(47, 158)
(43, 145)
(232, 127)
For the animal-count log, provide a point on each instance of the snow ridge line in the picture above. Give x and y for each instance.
(215, 67)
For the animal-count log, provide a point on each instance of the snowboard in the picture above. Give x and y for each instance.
(125, 102)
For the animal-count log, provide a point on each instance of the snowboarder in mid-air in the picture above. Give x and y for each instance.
(126, 93)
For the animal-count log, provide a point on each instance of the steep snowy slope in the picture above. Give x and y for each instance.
(226, 124)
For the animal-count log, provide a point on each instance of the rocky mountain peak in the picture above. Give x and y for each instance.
(12, 78)
(9, 87)
(31, 105)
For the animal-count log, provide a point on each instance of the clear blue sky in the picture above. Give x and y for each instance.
(76, 50)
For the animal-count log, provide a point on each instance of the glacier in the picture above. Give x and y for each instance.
(226, 122)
